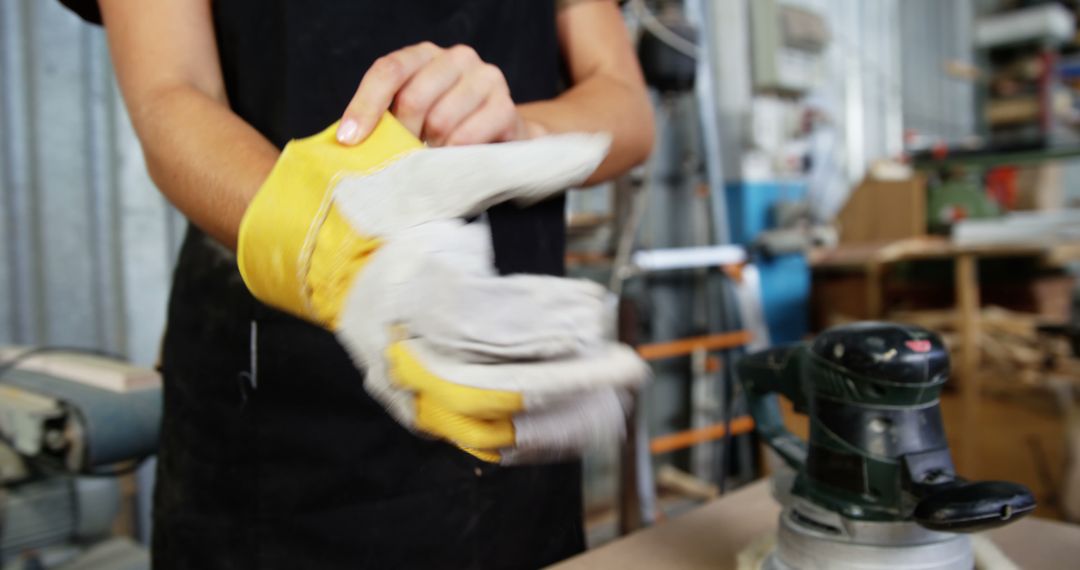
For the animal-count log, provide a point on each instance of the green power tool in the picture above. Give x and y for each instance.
(875, 485)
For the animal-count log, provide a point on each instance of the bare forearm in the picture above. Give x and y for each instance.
(600, 104)
(206, 160)
(608, 92)
(202, 156)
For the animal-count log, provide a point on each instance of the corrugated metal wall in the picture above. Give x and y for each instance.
(862, 81)
(935, 32)
(885, 71)
(88, 242)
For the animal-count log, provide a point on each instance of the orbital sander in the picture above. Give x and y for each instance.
(875, 486)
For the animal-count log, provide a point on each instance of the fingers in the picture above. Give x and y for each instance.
(462, 429)
(496, 120)
(468, 99)
(444, 96)
(568, 429)
(378, 87)
(499, 319)
(410, 372)
(539, 382)
(421, 93)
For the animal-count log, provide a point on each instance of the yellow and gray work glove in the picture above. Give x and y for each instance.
(368, 242)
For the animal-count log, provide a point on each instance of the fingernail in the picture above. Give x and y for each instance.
(347, 131)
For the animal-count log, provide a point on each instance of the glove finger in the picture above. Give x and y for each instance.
(522, 317)
(538, 384)
(422, 414)
(463, 430)
(454, 182)
(568, 430)
(410, 373)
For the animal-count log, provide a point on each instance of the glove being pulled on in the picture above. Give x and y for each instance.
(368, 241)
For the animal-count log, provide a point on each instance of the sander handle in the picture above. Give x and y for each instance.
(765, 374)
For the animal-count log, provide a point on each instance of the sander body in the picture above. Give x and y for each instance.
(874, 485)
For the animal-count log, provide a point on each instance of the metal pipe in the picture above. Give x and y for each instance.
(672, 259)
(703, 13)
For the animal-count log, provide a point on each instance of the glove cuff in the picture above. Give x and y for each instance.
(291, 223)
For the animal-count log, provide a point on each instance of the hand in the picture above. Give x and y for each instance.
(444, 96)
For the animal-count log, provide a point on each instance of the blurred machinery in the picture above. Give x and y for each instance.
(788, 43)
(71, 425)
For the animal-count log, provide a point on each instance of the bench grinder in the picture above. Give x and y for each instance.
(875, 485)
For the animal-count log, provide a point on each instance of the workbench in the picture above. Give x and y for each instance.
(709, 537)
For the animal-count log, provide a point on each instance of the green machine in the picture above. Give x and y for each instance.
(955, 200)
(875, 486)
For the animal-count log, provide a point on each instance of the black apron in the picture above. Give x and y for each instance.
(272, 454)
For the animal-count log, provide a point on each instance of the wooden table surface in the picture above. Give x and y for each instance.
(710, 536)
(857, 256)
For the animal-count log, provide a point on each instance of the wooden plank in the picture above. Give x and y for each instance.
(1063, 253)
(1014, 110)
(857, 256)
(686, 346)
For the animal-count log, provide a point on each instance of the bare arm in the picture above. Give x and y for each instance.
(205, 159)
(608, 92)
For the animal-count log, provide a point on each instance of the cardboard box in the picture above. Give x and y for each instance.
(884, 210)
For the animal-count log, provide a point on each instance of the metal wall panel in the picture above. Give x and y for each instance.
(935, 32)
(861, 83)
(88, 241)
(885, 73)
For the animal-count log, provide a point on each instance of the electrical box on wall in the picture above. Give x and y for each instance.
(788, 43)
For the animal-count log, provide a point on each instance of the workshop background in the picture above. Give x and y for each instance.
(817, 162)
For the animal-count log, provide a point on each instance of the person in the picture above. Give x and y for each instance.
(272, 454)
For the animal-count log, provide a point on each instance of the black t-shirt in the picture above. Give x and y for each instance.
(272, 455)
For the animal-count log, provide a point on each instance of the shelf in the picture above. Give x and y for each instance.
(995, 157)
